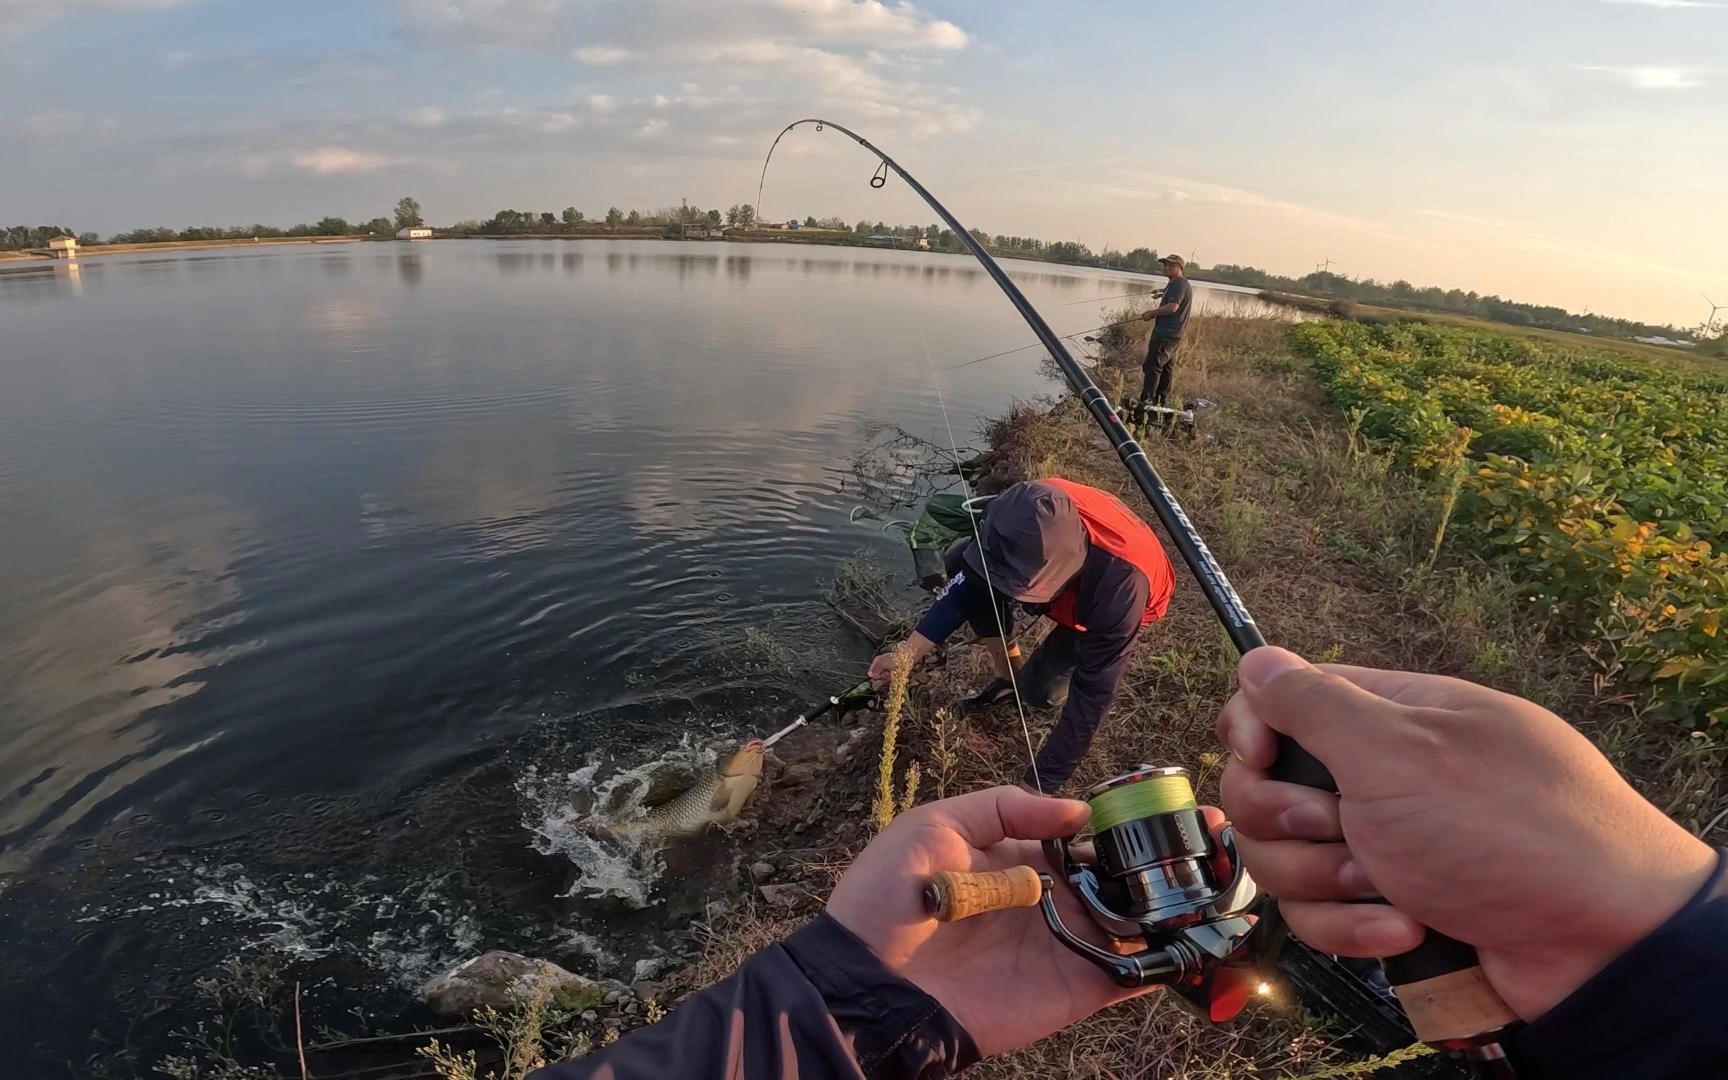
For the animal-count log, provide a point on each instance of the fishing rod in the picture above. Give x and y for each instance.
(857, 693)
(1119, 296)
(1184, 940)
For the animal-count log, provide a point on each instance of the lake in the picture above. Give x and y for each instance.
(327, 571)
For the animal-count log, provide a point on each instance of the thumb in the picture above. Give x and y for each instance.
(983, 818)
(1348, 728)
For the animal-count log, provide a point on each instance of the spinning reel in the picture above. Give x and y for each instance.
(1154, 891)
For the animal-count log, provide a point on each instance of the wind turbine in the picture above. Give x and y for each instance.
(1324, 267)
(1710, 323)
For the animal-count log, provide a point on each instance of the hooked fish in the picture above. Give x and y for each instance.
(716, 799)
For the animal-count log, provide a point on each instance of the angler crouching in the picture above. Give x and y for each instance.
(1078, 555)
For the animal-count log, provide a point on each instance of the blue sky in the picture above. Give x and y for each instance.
(1563, 151)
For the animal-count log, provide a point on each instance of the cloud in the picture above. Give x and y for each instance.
(19, 17)
(176, 60)
(53, 124)
(426, 116)
(653, 126)
(1648, 76)
(601, 104)
(875, 23)
(603, 54)
(339, 160)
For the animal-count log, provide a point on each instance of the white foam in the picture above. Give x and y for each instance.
(611, 867)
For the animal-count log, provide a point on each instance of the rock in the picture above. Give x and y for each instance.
(856, 808)
(613, 997)
(633, 1009)
(760, 872)
(503, 980)
(845, 750)
(714, 909)
(650, 968)
(801, 772)
(783, 897)
(590, 1015)
(645, 990)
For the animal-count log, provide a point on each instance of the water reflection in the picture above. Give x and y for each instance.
(410, 268)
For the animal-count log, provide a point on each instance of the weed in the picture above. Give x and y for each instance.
(883, 809)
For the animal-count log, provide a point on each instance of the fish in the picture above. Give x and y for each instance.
(717, 798)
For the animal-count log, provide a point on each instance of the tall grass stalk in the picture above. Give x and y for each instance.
(883, 809)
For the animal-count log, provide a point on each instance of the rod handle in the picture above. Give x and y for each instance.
(1440, 983)
(952, 895)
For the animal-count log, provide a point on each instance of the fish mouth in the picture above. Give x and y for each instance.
(754, 746)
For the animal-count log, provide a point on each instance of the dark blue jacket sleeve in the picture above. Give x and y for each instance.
(816, 1005)
(1656, 1013)
(964, 599)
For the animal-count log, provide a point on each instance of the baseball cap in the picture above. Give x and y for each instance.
(1175, 260)
(1033, 542)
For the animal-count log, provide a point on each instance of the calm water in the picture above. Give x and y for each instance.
(323, 569)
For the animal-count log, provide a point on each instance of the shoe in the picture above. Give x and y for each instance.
(996, 693)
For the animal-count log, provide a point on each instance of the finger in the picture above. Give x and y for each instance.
(1410, 687)
(1303, 870)
(1375, 930)
(1269, 810)
(983, 818)
(1249, 739)
(1348, 728)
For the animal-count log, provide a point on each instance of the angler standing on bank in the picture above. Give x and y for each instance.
(1168, 320)
(1078, 555)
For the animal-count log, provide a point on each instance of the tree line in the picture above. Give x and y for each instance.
(672, 220)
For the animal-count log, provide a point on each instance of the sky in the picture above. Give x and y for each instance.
(1570, 152)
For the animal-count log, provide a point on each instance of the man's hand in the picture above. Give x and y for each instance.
(882, 668)
(1474, 812)
(1002, 975)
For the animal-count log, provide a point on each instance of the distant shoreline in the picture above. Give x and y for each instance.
(181, 245)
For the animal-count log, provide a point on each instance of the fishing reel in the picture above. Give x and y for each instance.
(1154, 891)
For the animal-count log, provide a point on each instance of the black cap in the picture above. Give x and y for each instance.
(1033, 542)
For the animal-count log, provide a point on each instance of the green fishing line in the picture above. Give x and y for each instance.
(1157, 794)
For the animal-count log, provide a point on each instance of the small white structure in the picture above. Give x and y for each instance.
(63, 247)
(414, 232)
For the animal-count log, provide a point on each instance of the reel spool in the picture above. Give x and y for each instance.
(1153, 891)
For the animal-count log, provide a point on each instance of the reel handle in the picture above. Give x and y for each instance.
(1440, 983)
(952, 895)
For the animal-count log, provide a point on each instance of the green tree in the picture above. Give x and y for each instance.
(333, 226)
(379, 226)
(635, 218)
(408, 213)
(614, 216)
(746, 215)
(810, 222)
(572, 216)
(732, 214)
(713, 217)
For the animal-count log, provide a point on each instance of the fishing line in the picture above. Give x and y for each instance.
(1119, 296)
(1035, 344)
(984, 563)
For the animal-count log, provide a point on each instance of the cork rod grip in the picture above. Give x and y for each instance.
(952, 895)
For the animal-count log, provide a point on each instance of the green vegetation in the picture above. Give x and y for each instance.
(1599, 480)
(408, 213)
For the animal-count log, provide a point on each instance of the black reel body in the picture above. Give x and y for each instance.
(1155, 892)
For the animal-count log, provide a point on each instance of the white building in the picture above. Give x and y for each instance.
(414, 232)
(63, 247)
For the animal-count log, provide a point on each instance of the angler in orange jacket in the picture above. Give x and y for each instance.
(1078, 555)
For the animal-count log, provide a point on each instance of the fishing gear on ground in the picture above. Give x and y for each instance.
(936, 535)
(1140, 416)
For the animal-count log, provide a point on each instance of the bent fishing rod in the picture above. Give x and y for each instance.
(1448, 1000)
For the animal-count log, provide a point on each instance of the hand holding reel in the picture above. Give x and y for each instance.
(1153, 891)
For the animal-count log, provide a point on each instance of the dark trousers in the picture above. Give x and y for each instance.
(1159, 370)
(1044, 682)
